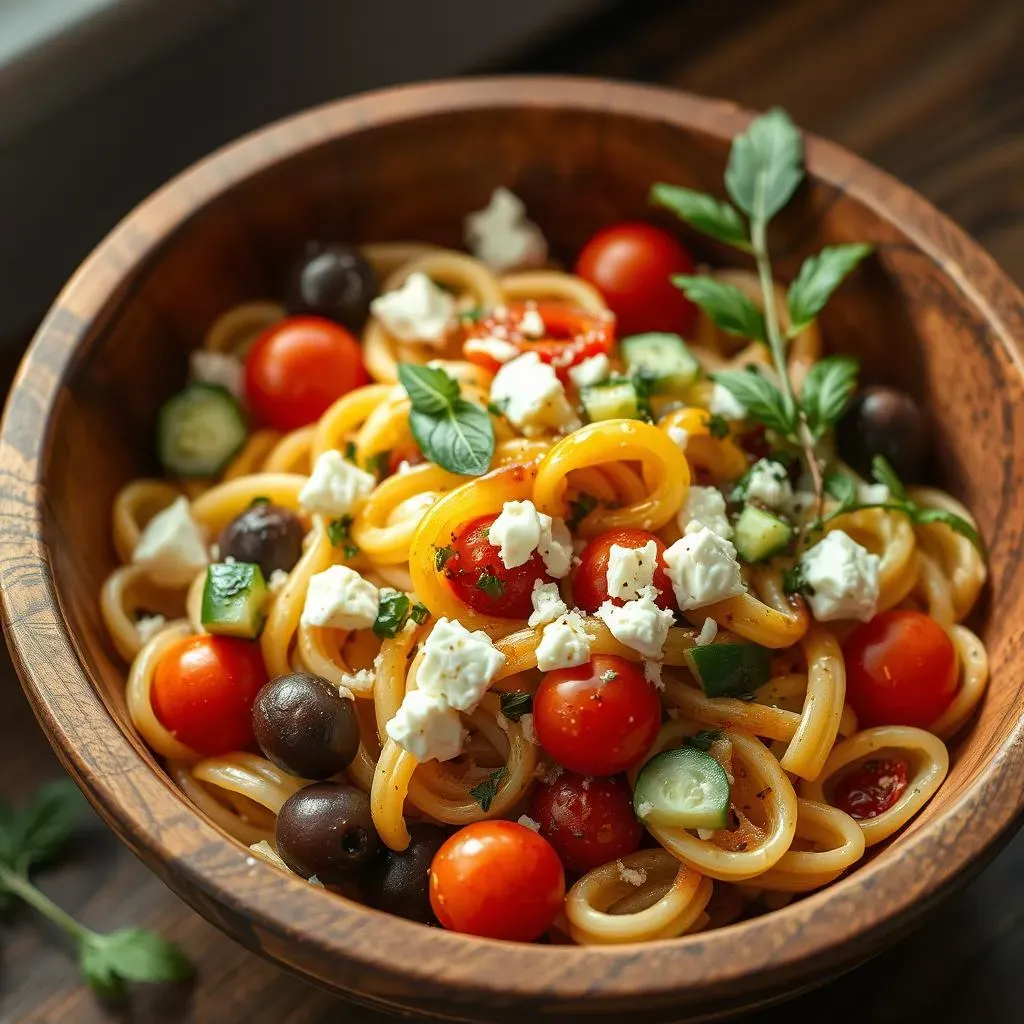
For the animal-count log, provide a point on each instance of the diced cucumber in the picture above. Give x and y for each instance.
(663, 359)
(730, 670)
(234, 599)
(613, 400)
(759, 534)
(199, 430)
(683, 788)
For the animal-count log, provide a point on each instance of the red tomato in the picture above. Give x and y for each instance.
(409, 453)
(589, 821)
(871, 788)
(498, 879)
(631, 265)
(597, 719)
(298, 368)
(203, 691)
(590, 582)
(901, 669)
(479, 578)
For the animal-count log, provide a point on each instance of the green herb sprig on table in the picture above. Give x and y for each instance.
(36, 834)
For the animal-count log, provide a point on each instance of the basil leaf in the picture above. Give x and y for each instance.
(486, 791)
(766, 164)
(391, 614)
(763, 400)
(259, 500)
(883, 473)
(707, 214)
(842, 487)
(441, 555)
(419, 613)
(430, 389)
(515, 704)
(827, 391)
(922, 515)
(725, 304)
(338, 530)
(460, 439)
(718, 426)
(491, 585)
(133, 954)
(819, 277)
(37, 833)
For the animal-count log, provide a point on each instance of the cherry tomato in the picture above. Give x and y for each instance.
(590, 583)
(570, 335)
(479, 578)
(599, 718)
(298, 368)
(589, 821)
(871, 788)
(901, 669)
(631, 265)
(203, 691)
(498, 879)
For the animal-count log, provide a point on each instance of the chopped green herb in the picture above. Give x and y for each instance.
(339, 530)
(391, 614)
(378, 463)
(259, 500)
(441, 555)
(793, 582)
(473, 314)
(718, 426)
(499, 408)
(515, 704)
(350, 451)
(491, 585)
(580, 509)
(419, 613)
(702, 740)
(350, 551)
(487, 790)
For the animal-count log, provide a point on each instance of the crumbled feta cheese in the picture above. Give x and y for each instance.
(631, 876)
(639, 624)
(339, 598)
(278, 578)
(705, 833)
(531, 323)
(221, 369)
(458, 665)
(704, 507)
(528, 822)
(529, 732)
(501, 235)
(547, 604)
(531, 396)
(801, 502)
(427, 727)
(842, 579)
(520, 530)
(631, 570)
(418, 311)
(362, 680)
(724, 403)
(148, 626)
(680, 436)
(494, 348)
(335, 487)
(590, 371)
(768, 485)
(652, 673)
(171, 549)
(872, 494)
(564, 643)
(707, 633)
(703, 569)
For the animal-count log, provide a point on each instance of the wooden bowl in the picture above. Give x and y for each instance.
(931, 313)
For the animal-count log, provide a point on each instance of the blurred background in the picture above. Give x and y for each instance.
(102, 100)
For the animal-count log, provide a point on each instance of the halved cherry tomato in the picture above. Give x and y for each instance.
(589, 821)
(590, 582)
(478, 577)
(203, 691)
(631, 265)
(599, 718)
(873, 787)
(498, 879)
(570, 335)
(901, 669)
(298, 368)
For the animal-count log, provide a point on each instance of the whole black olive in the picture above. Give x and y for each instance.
(326, 830)
(399, 882)
(304, 726)
(884, 421)
(266, 534)
(333, 281)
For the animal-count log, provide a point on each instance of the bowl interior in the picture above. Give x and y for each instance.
(915, 314)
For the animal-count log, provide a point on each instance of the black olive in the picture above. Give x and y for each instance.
(304, 726)
(326, 830)
(884, 421)
(266, 534)
(333, 281)
(399, 882)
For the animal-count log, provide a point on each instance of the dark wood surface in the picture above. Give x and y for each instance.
(932, 92)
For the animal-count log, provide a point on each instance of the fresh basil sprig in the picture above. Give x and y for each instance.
(818, 278)
(456, 434)
(725, 304)
(827, 391)
(762, 399)
(707, 214)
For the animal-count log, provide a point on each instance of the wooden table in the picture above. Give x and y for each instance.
(932, 90)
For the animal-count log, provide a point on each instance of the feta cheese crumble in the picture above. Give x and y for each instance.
(652, 673)
(564, 643)
(703, 569)
(768, 485)
(679, 436)
(531, 396)
(171, 549)
(501, 235)
(339, 598)
(458, 665)
(496, 349)
(842, 579)
(220, 369)
(148, 626)
(520, 530)
(359, 681)
(427, 727)
(531, 323)
(704, 507)
(547, 604)
(590, 371)
(639, 624)
(631, 570)
(528, 822)
(873, 494)
(417, 311)
(335, 487)
(631, 876)
(707, 633)
(724, 403)
(278, 578)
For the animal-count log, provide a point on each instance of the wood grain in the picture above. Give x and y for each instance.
(260, 1003)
